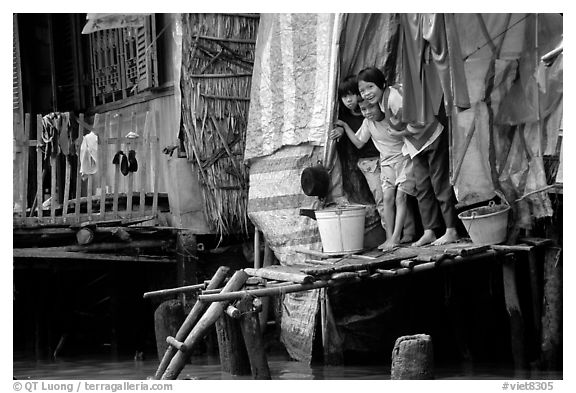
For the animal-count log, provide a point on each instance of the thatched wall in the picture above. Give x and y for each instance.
(217, 61)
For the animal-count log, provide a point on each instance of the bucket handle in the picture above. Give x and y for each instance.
(502, 197)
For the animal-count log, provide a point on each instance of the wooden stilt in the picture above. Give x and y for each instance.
(214, 311)
(186, 266)
(167, 318)
(551, 348)
(257, 249)
(517, 332)
(233, 356)
(536, 291)
(413, 358)
(253, 339)
(268, 261)
(190, 320)
(331, 340)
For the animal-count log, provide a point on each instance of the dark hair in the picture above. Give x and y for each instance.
(348, 86)
(374, 75)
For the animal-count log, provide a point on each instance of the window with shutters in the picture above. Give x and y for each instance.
(17, 105)
(123, 62)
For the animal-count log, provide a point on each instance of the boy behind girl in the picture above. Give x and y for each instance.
(395, 168)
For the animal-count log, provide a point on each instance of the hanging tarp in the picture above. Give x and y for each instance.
(290, 93)
(369, 40)
(432, 66)
(516, 110)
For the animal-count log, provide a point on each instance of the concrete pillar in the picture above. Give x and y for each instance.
(413, 358)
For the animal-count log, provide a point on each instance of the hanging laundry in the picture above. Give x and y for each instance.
(50, 134)
(65, 139)
(89, 155)
(57, 134)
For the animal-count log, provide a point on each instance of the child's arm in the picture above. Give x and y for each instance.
(399, 134)
(336, 133)
(351, 135)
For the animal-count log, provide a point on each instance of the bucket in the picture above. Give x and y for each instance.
(341, 228)
(486, 224)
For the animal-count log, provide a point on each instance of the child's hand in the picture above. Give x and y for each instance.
(336, 133)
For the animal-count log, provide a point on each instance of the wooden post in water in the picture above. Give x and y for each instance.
(413, 358)
(517, 331)
(190, 320)
(252, 334)
(233, 356)
(167, 318)
(551, 354)
(211, 315)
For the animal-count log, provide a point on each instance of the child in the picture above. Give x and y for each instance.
(394, 167)
(427, 146)
(367, 156)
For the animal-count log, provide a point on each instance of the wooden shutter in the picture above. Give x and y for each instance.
(124, 62)
(17, 100)
(146, 61)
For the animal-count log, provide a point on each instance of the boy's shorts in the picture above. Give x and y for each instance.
(399, 174)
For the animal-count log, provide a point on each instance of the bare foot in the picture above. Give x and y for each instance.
(451, 236)
(427, 238)
(407, 238)
(388, 245)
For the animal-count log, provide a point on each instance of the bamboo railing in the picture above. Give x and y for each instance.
(97, 197)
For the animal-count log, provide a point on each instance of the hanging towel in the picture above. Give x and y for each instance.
(89, 155)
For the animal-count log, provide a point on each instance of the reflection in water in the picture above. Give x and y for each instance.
(208, 368)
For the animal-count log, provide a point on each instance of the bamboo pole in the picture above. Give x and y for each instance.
(280, 290)
(103, 147)
(174, 291)
(156, 153)
(78, 176)
(212, 314)
(117, 170)
(39, 170)
(67, 179)
(268, 261)
(130, 174)
(299, 278)
(257, 263)
(192, 317)
(89, 196)
(332, 89)
(24, 158)
(143, 163)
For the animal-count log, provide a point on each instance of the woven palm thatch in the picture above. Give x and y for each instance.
(217, 62)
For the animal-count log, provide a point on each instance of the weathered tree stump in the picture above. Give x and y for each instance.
(167, 320)
(413, 358)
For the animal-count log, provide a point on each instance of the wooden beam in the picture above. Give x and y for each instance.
(38, 253)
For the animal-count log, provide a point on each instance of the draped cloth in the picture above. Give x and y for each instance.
(432, 66)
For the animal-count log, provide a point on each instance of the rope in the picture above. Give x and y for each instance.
(492, 38)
